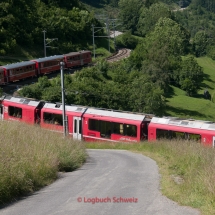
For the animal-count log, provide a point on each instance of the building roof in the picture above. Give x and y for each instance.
(188, 123)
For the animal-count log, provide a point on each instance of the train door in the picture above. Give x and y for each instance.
(144, 131)
(82, 59)
(77, 128)
(213, 141)
(1, 112)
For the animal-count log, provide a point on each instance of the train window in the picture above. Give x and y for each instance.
(106, 128)
(167, 134)
(15, 111)
(130, 130)
(94, 125)
(52, 118)
(80, 126)
(1, 109)
(75, 126)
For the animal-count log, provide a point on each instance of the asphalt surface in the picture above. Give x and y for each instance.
(112, 182)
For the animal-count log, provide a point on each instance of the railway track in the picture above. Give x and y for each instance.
(122, 53)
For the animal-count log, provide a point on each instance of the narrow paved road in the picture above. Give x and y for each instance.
(126, 182)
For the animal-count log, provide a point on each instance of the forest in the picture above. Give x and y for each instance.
(165, 42)
(66, 20)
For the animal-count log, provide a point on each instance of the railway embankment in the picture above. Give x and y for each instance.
(30, 158)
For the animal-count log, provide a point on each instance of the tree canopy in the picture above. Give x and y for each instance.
(66, 20)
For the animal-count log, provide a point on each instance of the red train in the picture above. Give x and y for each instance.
(93, 124)
(22, 70)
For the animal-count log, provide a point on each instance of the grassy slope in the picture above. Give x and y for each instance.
(178, 104)
(31, 157)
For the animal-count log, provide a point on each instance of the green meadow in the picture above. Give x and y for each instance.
(179, 104)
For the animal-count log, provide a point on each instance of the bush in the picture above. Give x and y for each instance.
(127, 40)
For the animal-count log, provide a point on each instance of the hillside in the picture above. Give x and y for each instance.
(178, 104)
(23, 36)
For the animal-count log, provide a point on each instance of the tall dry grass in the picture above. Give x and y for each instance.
(30, 158)
(187, 170)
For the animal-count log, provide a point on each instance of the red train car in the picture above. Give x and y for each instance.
(48, 64)
(74, 59)
(109, 125)
(18, 71)
(51, 118)
(2, 76)
(172, 127)
(92, 124)
(21, 109)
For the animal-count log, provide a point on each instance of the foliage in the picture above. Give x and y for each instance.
(159, 53)
(146, 96)
(200, 42)
(127, 40)
(211, 52)
(66, 20)
(114, 86)
(149, 17)
(129, 13)
(190, 76)
(196, 18)
(169, 34)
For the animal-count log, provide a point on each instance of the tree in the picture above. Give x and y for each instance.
(127, 40)
(190, 76)
(129, 13)
(145, 96)
(43, 82)
(149, 17)
(200, 42)
(168, 33)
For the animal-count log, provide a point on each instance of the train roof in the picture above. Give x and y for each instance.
(23, 101)
(44, 59)
(119, 114)
(19, 64)
(187, 123)
(100, 112)
(75, 53)
(58, 106)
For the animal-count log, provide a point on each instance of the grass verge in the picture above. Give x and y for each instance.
(30, 158)
(187, 169)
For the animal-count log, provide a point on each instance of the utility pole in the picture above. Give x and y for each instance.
(93, 42)
(114, 35)
(108, 32)
(63, 98)
(47, 41)
(107, 22)
(44, 39)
